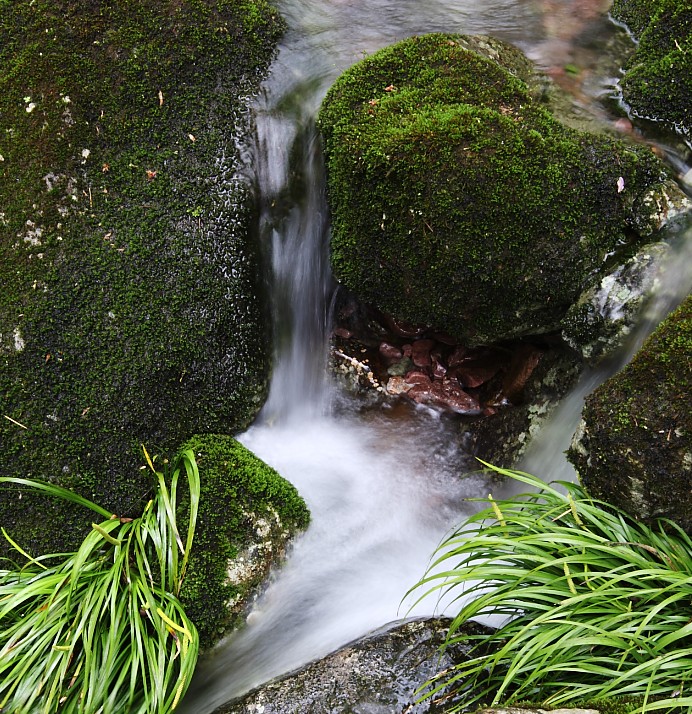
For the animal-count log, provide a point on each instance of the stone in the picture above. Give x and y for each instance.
(418, 377)
(633, 447)
(378, 674)
(656, 80)
(130, 272)
(445, 394)
(605, 314)
(420, 352)
(400, 368)
(463, 248)
(477, 371)
(390, 353)
(525, 359)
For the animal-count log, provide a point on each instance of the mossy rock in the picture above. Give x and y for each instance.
(460, 202)
(131, 310)
(657, 83)
(634, 445)
(247, 515)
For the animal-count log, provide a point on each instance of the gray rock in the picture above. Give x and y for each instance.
(378, 674)
(598, 323)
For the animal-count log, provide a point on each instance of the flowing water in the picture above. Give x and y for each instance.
(383, 486)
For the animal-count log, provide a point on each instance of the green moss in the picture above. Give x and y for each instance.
(658, 78)
(458, 201)
(131, 309)
(235, 484)
(636, 451)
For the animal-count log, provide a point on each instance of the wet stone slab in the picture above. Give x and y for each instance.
(378, 674)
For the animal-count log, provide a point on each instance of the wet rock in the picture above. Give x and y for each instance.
(401, 328)
(446, 240)
(444, 393)
(396, 386)
(475, 372)
(598, 323)
(378, 674)
(390, 353)
(130, 272)
(525, 359)
(418, 377)
(656, 84)
(247, 515)
(420, 352)
(400, 368)
(633, 447)
(439, 368)
(502, 436)
(458, 355)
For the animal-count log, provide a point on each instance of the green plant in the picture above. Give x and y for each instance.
(593, 603)
(101, 629)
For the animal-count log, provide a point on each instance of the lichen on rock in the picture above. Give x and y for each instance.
(460, 202)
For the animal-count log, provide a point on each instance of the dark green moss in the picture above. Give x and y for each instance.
(131, 311)
(658, 78)
(235, 484)
(458, 201)
(636, 450)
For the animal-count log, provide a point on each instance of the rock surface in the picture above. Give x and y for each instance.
(657, 83)
(247, 515)
(130, 311)
(634, 445)
(378, 674)
(459, 202)
(599, 322)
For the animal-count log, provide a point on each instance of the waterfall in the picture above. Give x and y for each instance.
(294, 224)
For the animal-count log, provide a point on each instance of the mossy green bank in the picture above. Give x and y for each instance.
(131, 309)
(460, 202)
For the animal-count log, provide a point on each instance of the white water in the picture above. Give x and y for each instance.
(383, 487)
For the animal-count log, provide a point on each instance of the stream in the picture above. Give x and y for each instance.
(383, 486)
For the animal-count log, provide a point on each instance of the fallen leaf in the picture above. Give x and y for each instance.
(621, 184)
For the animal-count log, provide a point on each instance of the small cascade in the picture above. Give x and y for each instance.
(294, 224)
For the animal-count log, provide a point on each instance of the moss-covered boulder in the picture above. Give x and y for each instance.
(130, 311)
(657, 83)
(459, 201)
(634, 445)
(247, 515)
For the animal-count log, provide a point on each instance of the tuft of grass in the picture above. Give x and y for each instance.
(101, 629)
(593, 604)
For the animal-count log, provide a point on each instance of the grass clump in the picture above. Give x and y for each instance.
(101, 629)
(594, 605)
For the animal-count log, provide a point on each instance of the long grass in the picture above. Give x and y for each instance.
(101, 630)
(592, 603)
